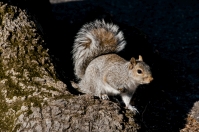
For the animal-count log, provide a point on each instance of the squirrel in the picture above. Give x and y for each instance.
(100, 71)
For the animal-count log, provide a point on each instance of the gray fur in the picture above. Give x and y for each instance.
(82, 56)
(100, 70)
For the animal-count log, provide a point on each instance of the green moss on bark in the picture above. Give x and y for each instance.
(27, 76)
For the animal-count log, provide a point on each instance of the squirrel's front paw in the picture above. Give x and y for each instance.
(132, 108)
(104, 97)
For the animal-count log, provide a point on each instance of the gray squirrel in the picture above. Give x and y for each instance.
(98, 67)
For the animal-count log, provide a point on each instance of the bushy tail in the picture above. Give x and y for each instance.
(94, 39)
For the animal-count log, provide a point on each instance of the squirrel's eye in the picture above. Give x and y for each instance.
(139, 71)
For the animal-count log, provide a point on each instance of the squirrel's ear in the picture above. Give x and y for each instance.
(140, 58)
(132, 63)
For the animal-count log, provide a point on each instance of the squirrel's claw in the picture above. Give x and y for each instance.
(132, 108)
(104, 97)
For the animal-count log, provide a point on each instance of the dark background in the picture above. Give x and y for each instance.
(164, 32)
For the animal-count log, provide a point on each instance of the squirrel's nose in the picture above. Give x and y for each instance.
(151, 79)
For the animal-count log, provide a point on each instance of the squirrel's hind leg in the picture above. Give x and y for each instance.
(106, 90)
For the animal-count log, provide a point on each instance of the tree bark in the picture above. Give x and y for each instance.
(33, 98)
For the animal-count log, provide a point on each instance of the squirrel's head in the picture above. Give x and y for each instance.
(140, 71)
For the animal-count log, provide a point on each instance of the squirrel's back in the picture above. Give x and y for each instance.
(95, 39)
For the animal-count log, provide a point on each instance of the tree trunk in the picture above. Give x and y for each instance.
(33, 98)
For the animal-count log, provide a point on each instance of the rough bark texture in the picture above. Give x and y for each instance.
(27, 75)
(32, 98)
(192, 120)
(78, 114)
